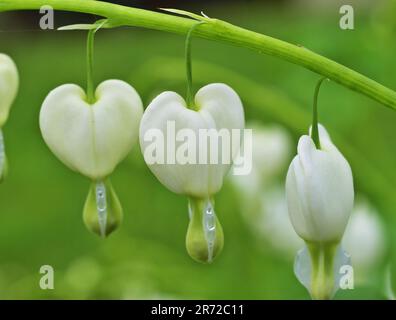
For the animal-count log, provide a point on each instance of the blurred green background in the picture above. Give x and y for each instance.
(41, 200)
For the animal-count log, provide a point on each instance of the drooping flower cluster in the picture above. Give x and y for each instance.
(92, 132)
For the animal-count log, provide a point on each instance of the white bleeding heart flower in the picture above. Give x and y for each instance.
(320, 195)
(9, 82)
(219, 107)
(178, 163)
(319, 190)
(92, 138)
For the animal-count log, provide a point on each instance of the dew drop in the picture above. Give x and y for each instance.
(190, 211)
(209, 225)
(101, 206)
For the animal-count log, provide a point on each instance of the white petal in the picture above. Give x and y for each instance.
(219, 107)
(91, 139)
(319, 188)
(9, 82)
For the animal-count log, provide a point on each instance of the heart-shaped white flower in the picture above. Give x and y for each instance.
(9, 82)
(218, 107)
(195, 150)
(91, 138)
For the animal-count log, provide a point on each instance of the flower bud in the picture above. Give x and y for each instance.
(319, 190)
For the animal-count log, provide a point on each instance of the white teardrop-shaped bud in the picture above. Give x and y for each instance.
(91, 138)
(319, 190)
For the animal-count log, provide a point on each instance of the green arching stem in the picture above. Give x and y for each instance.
(220, 31)
(190, 94)
(90, 81)
(315, 130)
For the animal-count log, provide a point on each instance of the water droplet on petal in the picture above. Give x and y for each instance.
(101, 205)
(205, 237)
(3, 158)
(209, 224)
(190, 213)
(102, 211)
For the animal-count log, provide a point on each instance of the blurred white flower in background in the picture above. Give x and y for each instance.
(262, 197)
(275, 225)
(271, 150)
(365, 240)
